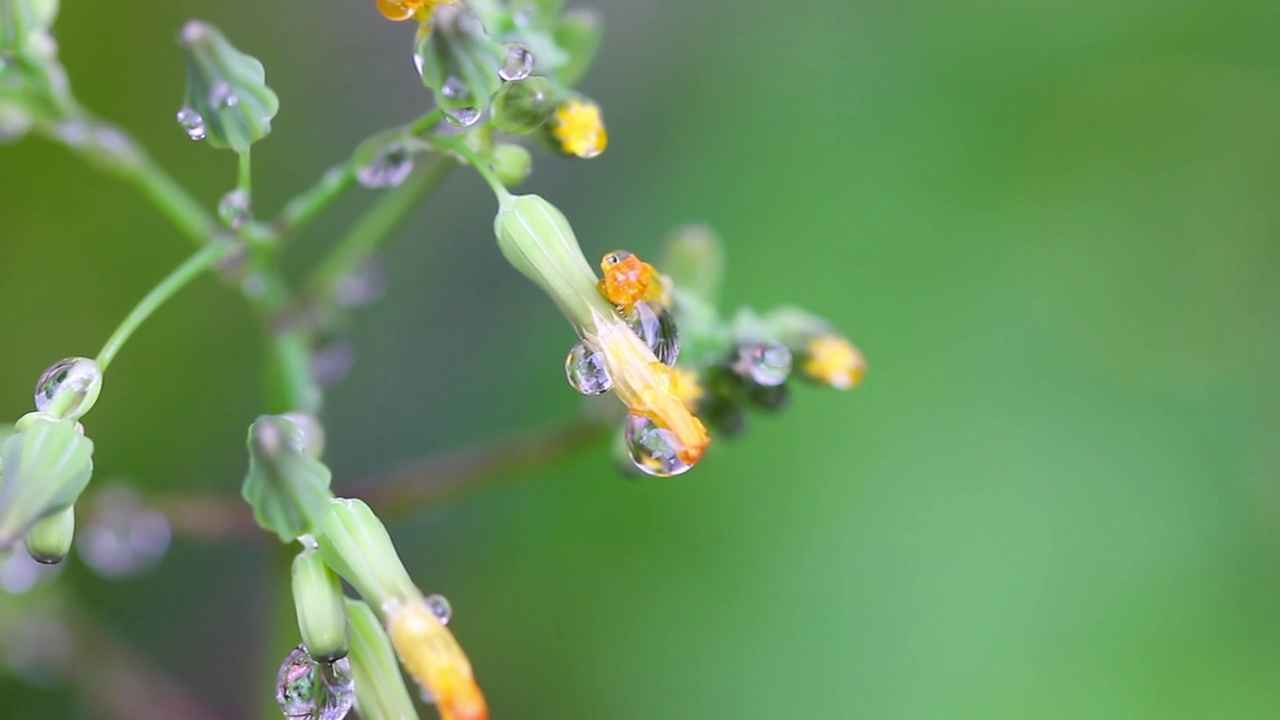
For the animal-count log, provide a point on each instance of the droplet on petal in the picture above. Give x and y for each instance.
(654, 450)
(308, 688)
(657, 328)
(517, 64)
(463, 117)
(586, 372)
(440, 607)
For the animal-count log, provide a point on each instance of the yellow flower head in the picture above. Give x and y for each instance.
(432, 656)
(406, 9)
(833, 360)
(579, 129)
(688, 387)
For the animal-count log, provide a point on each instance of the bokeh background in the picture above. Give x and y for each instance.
(1052, 227)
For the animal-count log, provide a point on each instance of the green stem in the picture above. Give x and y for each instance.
(384, 218)
(173, 201)
(332, 184)
(289, 385)
(192, 267)
(455, 144)
(244, 177)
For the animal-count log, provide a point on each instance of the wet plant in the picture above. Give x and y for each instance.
(497, 77)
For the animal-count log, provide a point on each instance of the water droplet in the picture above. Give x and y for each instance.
(221, 96)
(517, 64)
(657, 328)
(462, 117)
(122, 537)
(387, 170)
(233, 208)
(654, 450)
(454, 88)
(192, 122)
(767, 364)
(69, 387)
(307, 688)
(586, 372)
(439, 606)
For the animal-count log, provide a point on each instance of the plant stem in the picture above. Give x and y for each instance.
(384, 218)
(289, 385)
(192, 267)
(486, 172)
(244, 176)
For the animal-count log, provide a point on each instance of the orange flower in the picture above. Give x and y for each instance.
(432, 656)
(628, 280)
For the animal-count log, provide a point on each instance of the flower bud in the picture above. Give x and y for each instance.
(380, 690)
(69, 388)
(511, 163)
(577, 129)
(579, 36)
(227, 98)
(822, 355)
(25, 24)
(354, 542)
(43, 469)
(522, 107)
(49, 540)
(318, 599)
(460, 62)
(286, 486)
(433, 658)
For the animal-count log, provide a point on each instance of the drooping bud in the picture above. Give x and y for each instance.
(43, 469)
(319, 602)
(69, 388)
(49, 540)
(227, 98)
(380, 689)
(354, 542)
(459, 62)
(287, 487)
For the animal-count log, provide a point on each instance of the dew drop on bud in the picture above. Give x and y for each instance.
(233, 208)
(69, 387)
(654, 450)
(454, 88)
(586, 372)
(440, 607)
(657, 328)
(766, 364)
(387, 170)
(308, 688)
(462, 117)
(221, 96)
(517, 64)
(192, 122)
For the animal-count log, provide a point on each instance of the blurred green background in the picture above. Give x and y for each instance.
(1052, 228)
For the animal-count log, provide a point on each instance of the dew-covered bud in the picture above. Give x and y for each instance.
(460, 63)
(578, 35)
(287, 487)
(380, 689)
(318, 600)
(432, 657)
(354, 542)
(577, 128)
(511, 163)
(522, 107)
(49, 540)
(45, 466)
(227, 98)
(69, 388)
(822, 355)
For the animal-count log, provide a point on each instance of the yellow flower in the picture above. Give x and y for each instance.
(579, 129)
(406, 9)
(432, 656)
(833, 360)
(688, 387)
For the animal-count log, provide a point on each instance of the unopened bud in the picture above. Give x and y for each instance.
(227, 98)
(381, 694)
(318, 600)
(287, 487)
(354, 542)
(45, 467)
(49, 540)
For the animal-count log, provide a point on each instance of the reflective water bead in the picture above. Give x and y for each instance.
(440, 607)
(307, 688)
(192, 122)
(462, 117)
(657, 328)
(454, 87)
(517, 64)
(122, 537)
(765, 364)
(654, 450)
(586, 372)
(387, 170)
(233, 208)
(221, 96)
(69, 388)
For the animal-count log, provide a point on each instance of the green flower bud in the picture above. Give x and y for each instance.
(579, 36)
(380, 690)
(318, 599)
(44, 468)
(287, 487)
(693, 257)
(460, 62)
(522, 107)
(511, 163)
(25, 24)
(69, 388)
(354, 542)
(227, 97)
(49, 540)
(537, 240)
